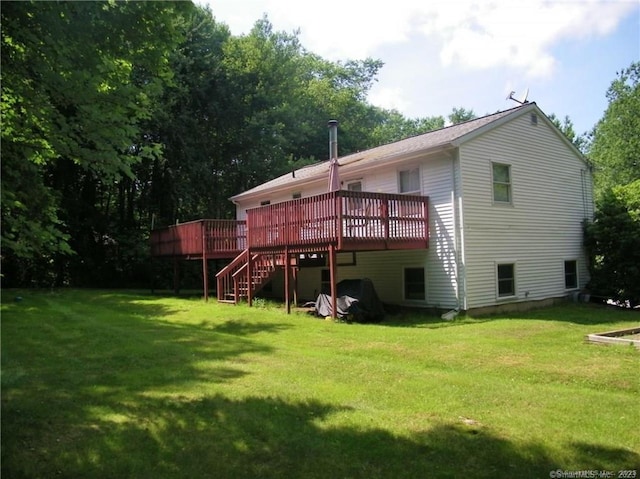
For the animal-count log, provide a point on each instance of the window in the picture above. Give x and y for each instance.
(355, 203)
(506, 280)
(501, 183)
(354, 186)
(265, 203)
(311, 259)
(295, 196)
(571, 274)
(414, 284)
(409, 181)
(325, 281)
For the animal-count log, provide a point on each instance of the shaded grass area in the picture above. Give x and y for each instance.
(123, 384)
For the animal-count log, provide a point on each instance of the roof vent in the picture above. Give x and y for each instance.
(534, 119)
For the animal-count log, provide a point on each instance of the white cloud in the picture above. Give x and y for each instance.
(519, 34)
(471, 34)
(389, 98)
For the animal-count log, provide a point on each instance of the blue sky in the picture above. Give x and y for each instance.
(442, 54)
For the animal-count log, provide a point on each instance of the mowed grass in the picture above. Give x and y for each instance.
(126, 384)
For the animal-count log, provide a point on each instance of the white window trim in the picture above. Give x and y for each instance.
(409, 168)
(515, 280)
(493, 196)
(404, 284)
(354, 204)
(564, 274)
(355, 180)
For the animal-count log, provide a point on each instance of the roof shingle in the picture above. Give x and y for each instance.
(419, 143)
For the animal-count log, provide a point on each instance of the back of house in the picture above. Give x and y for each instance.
(488, 213)
(508, 194)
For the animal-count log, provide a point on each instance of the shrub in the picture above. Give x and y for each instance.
(613, 245)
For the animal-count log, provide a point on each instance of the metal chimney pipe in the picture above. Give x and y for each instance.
(333, 139)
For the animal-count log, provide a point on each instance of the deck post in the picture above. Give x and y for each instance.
(425, 208)
(384, 212)
(249, 278)
(205, 277)
(287, 265)
(338, 214)
(294, 270)
(205, 269)
(153, 275)
(332, 277)
(176, 275)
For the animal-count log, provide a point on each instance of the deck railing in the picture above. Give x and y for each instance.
(347, 219)
(218, 238)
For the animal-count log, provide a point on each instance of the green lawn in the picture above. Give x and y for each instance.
(125, 384)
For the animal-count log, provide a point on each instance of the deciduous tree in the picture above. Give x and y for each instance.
(615, 145)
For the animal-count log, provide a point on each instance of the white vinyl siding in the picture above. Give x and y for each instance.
(544, 224)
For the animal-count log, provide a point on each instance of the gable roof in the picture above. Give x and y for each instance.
(444, 138)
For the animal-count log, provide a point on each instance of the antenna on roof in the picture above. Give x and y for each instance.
(522, 100)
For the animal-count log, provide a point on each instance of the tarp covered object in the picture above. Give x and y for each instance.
(357, 301)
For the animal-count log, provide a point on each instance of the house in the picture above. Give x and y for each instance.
(483, 214)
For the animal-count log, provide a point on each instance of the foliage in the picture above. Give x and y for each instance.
(615, 145)
(117, 384)
(77, 80)
(567, 128)
(394, 126)
(613, 244)
(460, 115)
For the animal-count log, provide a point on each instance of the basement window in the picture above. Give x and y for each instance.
(506, 274)
(571, 274)
(414, 284)
(325, 281)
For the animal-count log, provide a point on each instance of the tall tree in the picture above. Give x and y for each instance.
(77, 80)
(615, 145)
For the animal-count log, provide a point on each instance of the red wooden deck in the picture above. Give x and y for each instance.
(347, 220)
(273, 234)
(217, 238)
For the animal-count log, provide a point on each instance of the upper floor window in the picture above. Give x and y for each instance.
(409, 181)
(355, 203)
(501, 183)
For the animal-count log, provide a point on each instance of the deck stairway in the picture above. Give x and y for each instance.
(233, 284)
